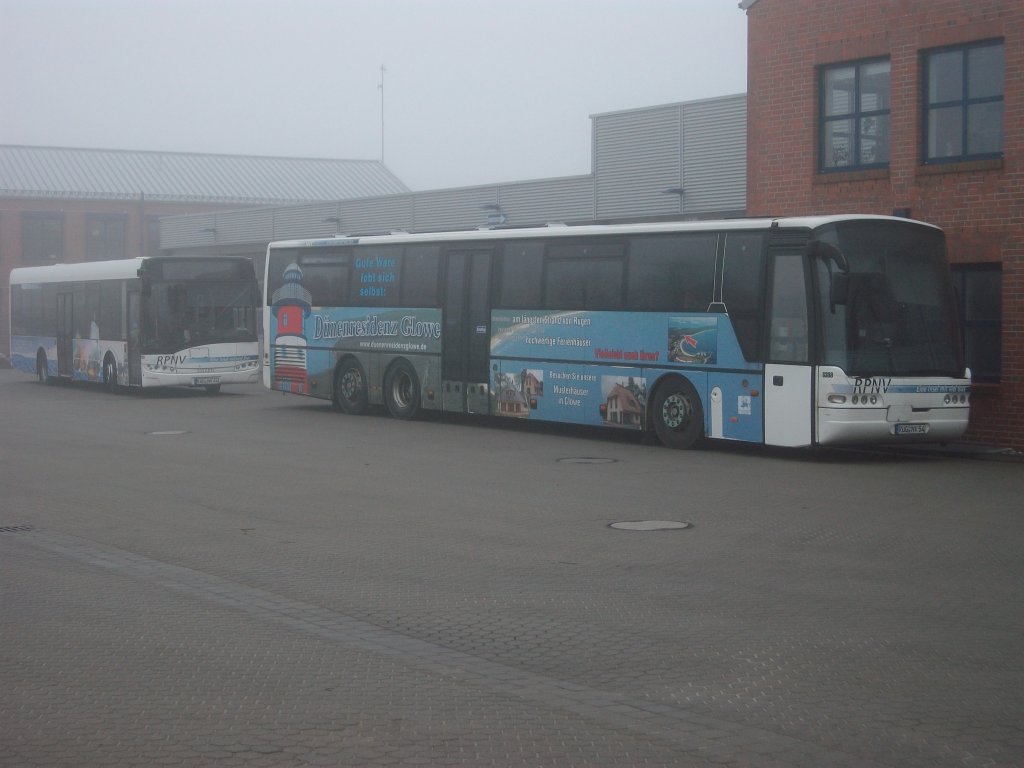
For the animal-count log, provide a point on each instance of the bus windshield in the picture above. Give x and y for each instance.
(898, 315)
(182, 314)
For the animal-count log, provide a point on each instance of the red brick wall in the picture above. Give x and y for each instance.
(979, 204)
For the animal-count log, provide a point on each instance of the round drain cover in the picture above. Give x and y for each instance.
(170, 432)
(587, 460)
(650, 525)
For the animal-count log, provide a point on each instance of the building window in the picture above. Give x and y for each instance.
(854, 123)
(963, 106)
(42, 236)
(104, 238)
(979, 291)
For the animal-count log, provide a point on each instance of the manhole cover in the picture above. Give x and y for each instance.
(650, 525)
(587, 460)
(15, 528)
(164, 432)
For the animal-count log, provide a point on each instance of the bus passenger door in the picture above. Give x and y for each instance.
(65, 334)
(788, 380)
(134, 339)
(466, 336)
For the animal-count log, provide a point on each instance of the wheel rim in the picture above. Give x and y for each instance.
(401, 390)
(675, 411)
(351, 385)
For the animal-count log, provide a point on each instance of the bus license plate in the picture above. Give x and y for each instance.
(911, 429)
(199, 381)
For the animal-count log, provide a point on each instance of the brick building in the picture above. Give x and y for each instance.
(911, 107)
(69, 205)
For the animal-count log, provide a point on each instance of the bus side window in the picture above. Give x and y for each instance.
(522, 264)
(376, 276)
(674, 273)
(584, 276)
(742, 289)
(420, 275)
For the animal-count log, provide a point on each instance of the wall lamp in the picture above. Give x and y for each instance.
(496, 217)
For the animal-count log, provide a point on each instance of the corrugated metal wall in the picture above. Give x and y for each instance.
(532, 202)
(569, 199)
(636, 158)
(715, 156)
(685, 160)
(674, 160)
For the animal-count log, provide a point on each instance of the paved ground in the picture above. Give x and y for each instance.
(253, 580)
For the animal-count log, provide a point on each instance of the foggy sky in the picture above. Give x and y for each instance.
(475, 91)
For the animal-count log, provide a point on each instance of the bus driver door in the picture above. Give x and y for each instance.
(788, 374)
(466, 336)
(134, 338)
(65, 334)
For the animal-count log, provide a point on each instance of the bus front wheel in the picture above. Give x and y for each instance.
(42, 368)
(350, 389)
(678, 415)
(402, 391)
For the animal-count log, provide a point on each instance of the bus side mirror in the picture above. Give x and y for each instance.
(827, 252)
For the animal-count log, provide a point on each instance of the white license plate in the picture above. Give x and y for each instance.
(199, 381)
(911, 429)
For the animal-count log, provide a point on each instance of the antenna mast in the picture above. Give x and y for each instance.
(380, 85)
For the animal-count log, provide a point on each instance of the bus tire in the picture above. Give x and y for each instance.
(350, 395)
(42, 368)
(110, 374)
(402, 390)
(678, 415)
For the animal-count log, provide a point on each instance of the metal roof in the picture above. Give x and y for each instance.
(108, 174)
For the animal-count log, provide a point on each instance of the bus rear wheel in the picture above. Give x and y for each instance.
(110, 374)
(42, 368)
(402, 391)
(678, 415)
(350, 389)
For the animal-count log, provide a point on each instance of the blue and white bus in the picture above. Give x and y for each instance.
(790, 332)
(143, 322)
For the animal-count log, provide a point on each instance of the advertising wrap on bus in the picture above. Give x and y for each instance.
(607, 376)
(407, 330)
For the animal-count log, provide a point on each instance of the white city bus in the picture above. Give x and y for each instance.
(143, 322)
(791, 332)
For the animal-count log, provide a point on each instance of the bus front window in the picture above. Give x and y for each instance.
(185, 314)
(899, 316)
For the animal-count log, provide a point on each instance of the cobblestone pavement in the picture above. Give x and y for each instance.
(274, 585)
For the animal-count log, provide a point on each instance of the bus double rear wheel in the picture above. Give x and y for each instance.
(402, 390)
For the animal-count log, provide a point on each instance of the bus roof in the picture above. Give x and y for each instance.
(117, 269)
(590, 230)
(86, 270)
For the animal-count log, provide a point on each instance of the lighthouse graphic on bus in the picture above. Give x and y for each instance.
(291, 307)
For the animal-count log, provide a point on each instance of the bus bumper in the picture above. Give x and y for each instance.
(871, 425)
